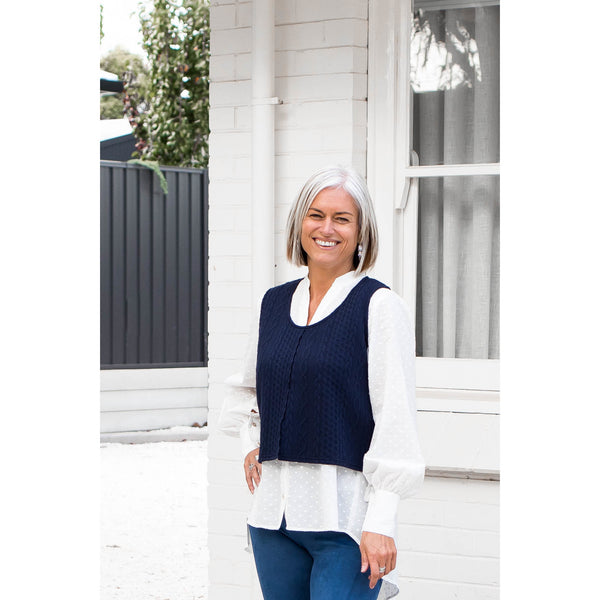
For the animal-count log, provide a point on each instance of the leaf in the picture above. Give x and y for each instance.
(153, 166)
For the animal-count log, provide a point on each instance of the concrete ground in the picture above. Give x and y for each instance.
(154, 515)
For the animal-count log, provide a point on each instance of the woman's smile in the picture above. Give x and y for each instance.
(325, 243)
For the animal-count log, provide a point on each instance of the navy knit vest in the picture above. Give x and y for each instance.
(312, 381)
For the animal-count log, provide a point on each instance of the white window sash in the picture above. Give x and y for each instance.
(389, 152)
(451, 4)
(453, 170)
(458, 373)
(461, 401)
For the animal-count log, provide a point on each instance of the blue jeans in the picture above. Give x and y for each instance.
(309, 565)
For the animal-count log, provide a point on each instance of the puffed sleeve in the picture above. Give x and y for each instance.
(393, 466)
(239, 413)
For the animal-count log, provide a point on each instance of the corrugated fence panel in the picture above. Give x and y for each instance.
(131, 261)
(105, 266)
(170, 289)
(158, 276)
(198, 264)
(183, 263)
(145, 274)
(154, 252)
(118, 324)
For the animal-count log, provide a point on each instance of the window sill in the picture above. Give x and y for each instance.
(458, 401)
(458, 374)
(463, 474)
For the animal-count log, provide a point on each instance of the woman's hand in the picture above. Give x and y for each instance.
(252, 470)
(377, 551)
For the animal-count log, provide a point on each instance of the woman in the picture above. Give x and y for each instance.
(325, 407)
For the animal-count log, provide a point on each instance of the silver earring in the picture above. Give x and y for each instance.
(359, 250)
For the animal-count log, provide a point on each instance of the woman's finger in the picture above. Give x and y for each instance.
(390, 560)
(257, 471)
(252, 470)
(375, 575)
(255, 474)
(364, 561)
(388, 567)
(393, 561)
(248, 475)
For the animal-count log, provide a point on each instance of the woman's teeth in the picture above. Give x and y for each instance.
(326, 244)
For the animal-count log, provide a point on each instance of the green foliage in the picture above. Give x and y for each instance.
(171, 121)
(129, 67)
(119, 61)
(101, 22)
(111, 107)
(153, 166)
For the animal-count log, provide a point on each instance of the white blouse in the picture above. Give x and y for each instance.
(330, 497)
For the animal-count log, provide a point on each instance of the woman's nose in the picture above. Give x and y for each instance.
(327, 225)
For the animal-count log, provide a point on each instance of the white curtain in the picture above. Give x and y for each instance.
(455, 77)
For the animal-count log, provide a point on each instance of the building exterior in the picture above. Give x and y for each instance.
(351, 88)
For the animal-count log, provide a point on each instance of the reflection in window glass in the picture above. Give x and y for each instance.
(455, 85)
(457, 312)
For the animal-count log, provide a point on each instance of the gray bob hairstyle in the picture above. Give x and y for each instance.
(351, 182)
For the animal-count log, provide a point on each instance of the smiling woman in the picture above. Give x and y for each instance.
(332, 354)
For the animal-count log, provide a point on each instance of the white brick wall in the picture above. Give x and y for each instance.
(449, 547)
(449, 541)
(230, 569)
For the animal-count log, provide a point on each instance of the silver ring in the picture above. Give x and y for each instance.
(381, 570)
(251, 466)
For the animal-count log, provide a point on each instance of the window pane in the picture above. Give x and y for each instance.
(454, 71)
(457, 312)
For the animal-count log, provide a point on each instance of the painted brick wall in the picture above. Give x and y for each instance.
(448, 544)
(230, 568)
(321, 76)
(450, 547)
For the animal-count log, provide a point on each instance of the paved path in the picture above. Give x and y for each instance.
(154, 520)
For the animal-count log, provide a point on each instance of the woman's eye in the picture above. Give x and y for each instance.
(342, 220)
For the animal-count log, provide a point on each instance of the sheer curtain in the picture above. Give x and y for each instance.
(455, 82)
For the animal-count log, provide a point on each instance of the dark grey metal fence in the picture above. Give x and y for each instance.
(153, 267)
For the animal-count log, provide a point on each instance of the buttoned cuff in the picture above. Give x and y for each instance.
(381, 513)
(247, 439)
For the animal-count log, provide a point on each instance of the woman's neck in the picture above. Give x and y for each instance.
(321, 280)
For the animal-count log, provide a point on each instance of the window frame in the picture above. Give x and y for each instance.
(393, 182)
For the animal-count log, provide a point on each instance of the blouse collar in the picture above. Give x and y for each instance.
(335, 295)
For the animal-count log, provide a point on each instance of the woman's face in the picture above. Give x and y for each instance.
(330, 231)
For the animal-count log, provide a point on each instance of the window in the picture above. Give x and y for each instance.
(440, 89)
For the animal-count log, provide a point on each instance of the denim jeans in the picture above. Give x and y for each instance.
(309, 565)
